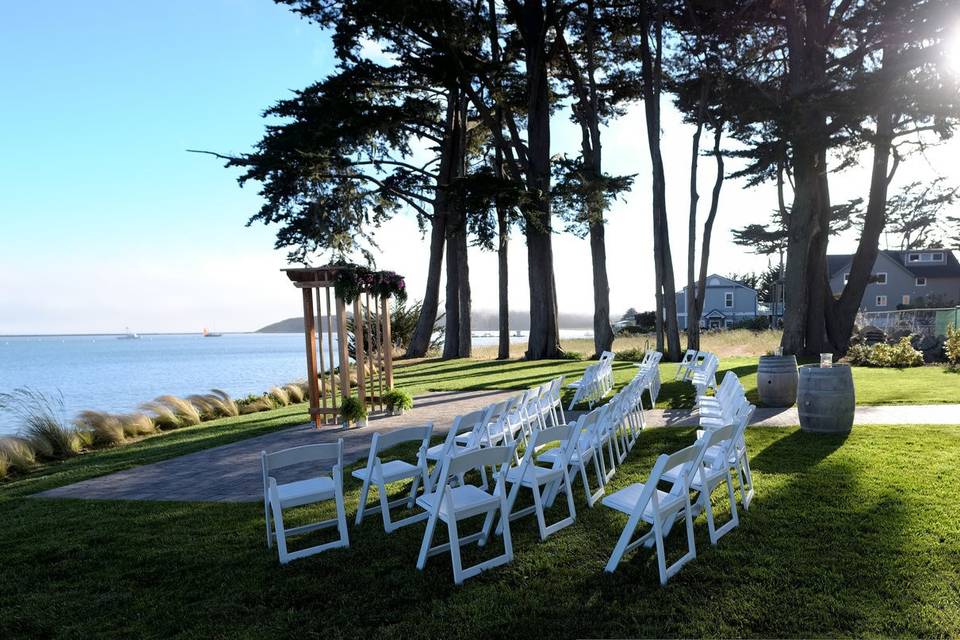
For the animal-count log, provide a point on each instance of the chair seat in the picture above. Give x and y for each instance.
(466, 498)
(714, 455)
(712, 474)
(390, 472)
(534, 474)
(293, 494)
(436, 451)
(626, 499)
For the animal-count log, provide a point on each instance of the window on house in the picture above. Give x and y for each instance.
(881, 301)
(905, 299)
(921, 281)
(728, 300)
(913, 257)
(938, 257)
(846, 278)
(728, 323)
(880, 278)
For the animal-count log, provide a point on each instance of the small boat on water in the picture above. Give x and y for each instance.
(129, 335)
(209, 334)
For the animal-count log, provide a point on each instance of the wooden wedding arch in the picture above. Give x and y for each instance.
(327, 291)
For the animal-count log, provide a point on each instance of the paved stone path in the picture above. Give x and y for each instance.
(232, 472)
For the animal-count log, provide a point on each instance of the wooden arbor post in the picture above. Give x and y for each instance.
(329, 383)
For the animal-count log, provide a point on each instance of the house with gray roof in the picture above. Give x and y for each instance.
(903, 279)
(726, 302)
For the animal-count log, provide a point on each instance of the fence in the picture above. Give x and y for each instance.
(924, 322)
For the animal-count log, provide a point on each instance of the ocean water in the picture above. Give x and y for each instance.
(106, 373)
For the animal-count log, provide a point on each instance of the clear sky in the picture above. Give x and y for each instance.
(107, 222)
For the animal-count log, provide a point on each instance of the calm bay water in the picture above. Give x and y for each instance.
(107, 373)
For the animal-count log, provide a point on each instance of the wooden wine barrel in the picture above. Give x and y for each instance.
(777, 381)
(826, 399)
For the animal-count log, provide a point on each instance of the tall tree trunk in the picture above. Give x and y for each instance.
(692, 291)
(463, 269)
(544, 340)
(503, 219)
(666, 288)
(457, 326)
(451, 338)
(503, 341)
(843, 312)
(708, 225)
(423, 332)
(602, 331)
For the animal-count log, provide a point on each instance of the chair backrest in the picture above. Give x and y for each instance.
(477, 458)
(297, 455)
(384, 441)
(689, 459)
(467, 423)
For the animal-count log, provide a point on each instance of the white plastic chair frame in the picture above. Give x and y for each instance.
(451, 504)
(659, 509)
(685, 363)
(378, 475)
(586, 445)
(319, 488)
(551, 479)
(473, 423)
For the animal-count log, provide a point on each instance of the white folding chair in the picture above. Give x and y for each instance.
(713, 472)
(660, 509)
(379, 474)
(739, 461)
(586, 451)
(318, 488)
(531, 476)
(685, 363)
(474, 424)
(451, 504)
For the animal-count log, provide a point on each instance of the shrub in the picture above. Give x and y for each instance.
(632, 330)
(759, 323)
(18, 453)
(4, 465)
(99, 429)
(225, 404)
(858, 354)
(572, 355)
(136, 425)
(186, 413)
(899, 355)
(40, 419)
(294, 392)
(279, 396)
(163, 417)
(398, 399)
(951, 346)
(630, 355)
(255, 404)
(352, 410)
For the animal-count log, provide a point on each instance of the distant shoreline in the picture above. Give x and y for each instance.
(108, 335)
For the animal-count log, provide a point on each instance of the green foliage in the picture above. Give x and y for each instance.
(858, 355)
(398, 399)
(899, 355)
(352, 410)
(4, 465)
(759, 323)
(630, 355)
(572, 355)
(951, 346)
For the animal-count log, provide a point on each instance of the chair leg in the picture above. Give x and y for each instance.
(661, 552)
(455, 549)
(266, 518)
(342, 517)
(362, 504)
(280, 533)
(384, 507)
(427, 541)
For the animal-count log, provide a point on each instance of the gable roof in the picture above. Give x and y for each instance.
(727, 282)
(949, 268)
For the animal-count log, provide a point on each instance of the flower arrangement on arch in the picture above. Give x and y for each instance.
(351, 280)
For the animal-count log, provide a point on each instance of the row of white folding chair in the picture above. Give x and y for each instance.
(703, 374)
(740, 460)
(718, 408)
(651, 362)
(596, 383)
(701, 468)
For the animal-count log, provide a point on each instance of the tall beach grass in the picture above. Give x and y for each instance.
(41, 422)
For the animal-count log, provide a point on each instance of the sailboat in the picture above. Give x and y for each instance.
(129, 335)
(208, 334)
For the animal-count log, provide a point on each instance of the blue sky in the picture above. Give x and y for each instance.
(106, 221)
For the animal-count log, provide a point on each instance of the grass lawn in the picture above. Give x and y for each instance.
(920, 385)
(843, 539)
